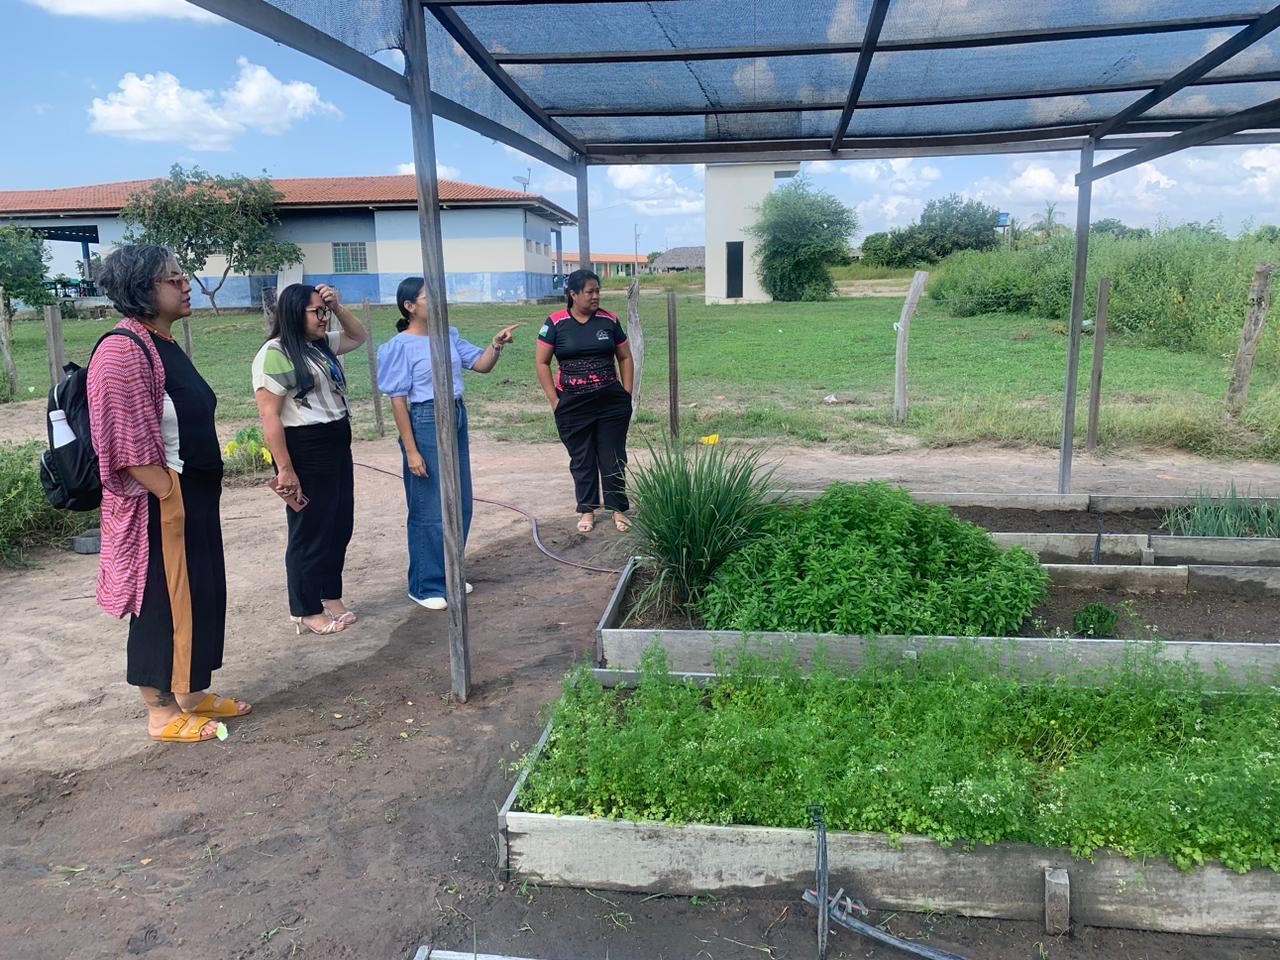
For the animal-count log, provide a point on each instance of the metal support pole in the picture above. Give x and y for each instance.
(424, 157)
(584, 218)
(559, 260)
(1084, 197)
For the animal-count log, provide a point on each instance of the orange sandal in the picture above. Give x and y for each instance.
(186, 728)
(208, 708)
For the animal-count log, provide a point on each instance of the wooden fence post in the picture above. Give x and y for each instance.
(53, 338)
(904, 331)
(6, 347)
(1255, 317)
(373, 368)
(186, 337)
(635, 336)
(673, 366)
(268, 309)
(1095, 379)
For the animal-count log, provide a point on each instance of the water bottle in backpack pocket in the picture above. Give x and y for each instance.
(69, 468)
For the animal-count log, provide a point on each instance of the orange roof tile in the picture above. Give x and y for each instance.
(311, 191)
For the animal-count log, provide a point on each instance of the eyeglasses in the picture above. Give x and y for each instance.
(322, 313)
(174, 279)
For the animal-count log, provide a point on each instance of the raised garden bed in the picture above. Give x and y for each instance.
(679, 756)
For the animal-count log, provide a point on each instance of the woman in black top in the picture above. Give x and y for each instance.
(590, 395)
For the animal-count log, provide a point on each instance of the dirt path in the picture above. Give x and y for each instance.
(328, 825)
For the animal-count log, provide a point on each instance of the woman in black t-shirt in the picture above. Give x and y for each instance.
(590, 395)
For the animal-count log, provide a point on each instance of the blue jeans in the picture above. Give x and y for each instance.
(426, 522)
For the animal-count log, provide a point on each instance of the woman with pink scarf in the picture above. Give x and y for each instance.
(152, 418)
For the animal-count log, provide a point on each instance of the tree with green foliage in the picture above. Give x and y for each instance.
(953, 223)
(802, 232)
(1047, 225)
(23, 258)
(1110, 226)
(900, 247)
(198, 214)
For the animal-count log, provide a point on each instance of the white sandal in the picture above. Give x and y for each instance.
(330, 628)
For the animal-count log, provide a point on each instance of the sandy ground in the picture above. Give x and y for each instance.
(331, 826)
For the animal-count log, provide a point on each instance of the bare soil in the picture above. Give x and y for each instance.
(331, 826)
(999, 520)
(1190, 616)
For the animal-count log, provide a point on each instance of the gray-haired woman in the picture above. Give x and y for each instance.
(152, 417)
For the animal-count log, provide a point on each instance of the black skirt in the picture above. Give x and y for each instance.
(175, 643)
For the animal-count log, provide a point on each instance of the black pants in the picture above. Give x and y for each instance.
(319, 533)
(593, 428)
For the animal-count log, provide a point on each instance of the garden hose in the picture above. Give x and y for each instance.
(533, 524)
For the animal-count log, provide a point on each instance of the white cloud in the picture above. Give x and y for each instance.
(443, 170)
(899, 175)
(127, 9)
(653, 190)
(1262, 171)
(262, 102)
(543, 178)
(755, 81)
(819, 168)
(156, 108)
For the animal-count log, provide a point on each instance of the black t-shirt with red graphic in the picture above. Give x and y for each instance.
(585, 352)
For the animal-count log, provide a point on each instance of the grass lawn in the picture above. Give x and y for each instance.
(763, 371)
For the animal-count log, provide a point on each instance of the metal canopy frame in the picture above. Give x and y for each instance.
(1129, 130)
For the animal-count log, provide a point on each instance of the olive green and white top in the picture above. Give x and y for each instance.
(325, 402)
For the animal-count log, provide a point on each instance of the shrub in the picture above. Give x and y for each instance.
(867, 559)
(1095, 620)
(802, 232)
(27, 519)
(1184, 287)
(694, 509)
(247, 453)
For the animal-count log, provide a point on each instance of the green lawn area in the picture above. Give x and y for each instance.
(763, 371)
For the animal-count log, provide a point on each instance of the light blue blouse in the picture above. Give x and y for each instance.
(404, 365)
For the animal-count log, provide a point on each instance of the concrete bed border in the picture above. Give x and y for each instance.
(695, 651)
(1008, 880)
(1084, 502)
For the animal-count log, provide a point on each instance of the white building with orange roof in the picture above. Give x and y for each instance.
(359, 234)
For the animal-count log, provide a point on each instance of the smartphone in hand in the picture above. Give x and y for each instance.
(296, 501)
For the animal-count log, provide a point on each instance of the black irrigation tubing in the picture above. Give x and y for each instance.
(533, 525)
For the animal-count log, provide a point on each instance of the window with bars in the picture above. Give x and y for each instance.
(350, 258)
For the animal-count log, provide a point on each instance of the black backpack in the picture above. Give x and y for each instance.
(69, 474)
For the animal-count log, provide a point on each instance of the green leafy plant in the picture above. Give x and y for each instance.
(1231, 514)
(1095, 620)
(866, 559)
(247, 453)
(27, 519)
(693, 508)
(802, 233)
(1140, 759)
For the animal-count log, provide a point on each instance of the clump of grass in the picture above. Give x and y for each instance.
(1232, 514)
(953, 747)
(27, 519)
(1095, 620)
(693, 508)
(867, 559)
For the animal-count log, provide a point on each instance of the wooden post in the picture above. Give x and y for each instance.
(268, 309)
(186, 337)
(904, 331)
(584, 218)
(6, 347)
(673, 366)
(417, 74)
(1255, 318)
(1084, 195)
(1057, 901)
(635, 336)
(373, 369)
(53, 338)
(1095, 380)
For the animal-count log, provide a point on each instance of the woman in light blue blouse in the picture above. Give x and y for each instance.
(404, 374)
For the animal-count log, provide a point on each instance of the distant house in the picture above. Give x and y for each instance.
(678, 259)
(359, 234)
(609, 264)
(734, 192)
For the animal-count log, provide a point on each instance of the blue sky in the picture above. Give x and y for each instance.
(104, 90)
